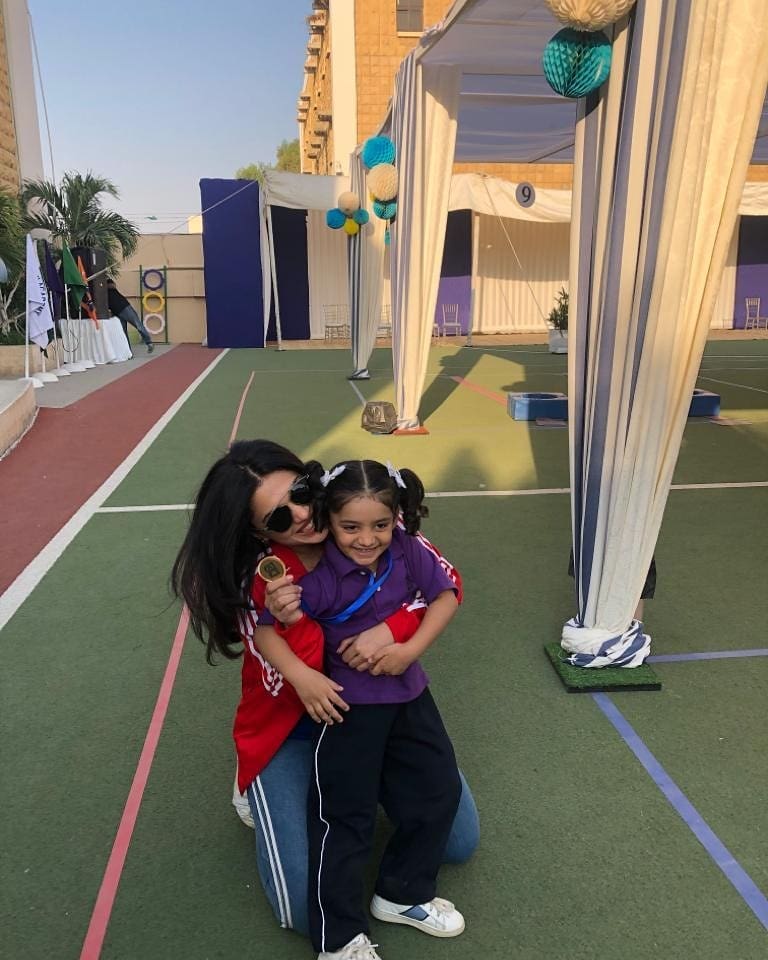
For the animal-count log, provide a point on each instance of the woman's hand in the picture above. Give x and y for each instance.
(320, 696)
(357, 652)
(283, 600)
(392, 660)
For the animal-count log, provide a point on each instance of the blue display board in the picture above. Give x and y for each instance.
(232, 263)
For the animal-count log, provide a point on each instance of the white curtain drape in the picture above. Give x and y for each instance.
(424, 115)
(326, 270)
(365, 274)
(661, 159)
(520, 268)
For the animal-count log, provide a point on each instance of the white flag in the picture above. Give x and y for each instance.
(39, 319)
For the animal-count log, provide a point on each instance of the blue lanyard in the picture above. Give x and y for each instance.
(365, 596)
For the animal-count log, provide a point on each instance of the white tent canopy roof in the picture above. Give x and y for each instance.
(300, 191)
(469, 191)
(507, 110)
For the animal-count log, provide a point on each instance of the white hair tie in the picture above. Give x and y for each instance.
(332, 474)
(396, 476)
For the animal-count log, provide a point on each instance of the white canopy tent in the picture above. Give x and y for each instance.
(326, 249)
(659, 168)
(508, 293)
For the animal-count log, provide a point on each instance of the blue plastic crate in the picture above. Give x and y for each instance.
(531, 406)
(704, 404)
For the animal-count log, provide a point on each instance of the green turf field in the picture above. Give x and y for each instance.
(581, 856)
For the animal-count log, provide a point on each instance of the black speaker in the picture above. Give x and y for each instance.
(95, 262)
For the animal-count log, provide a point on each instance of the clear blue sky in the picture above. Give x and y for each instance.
(156, 94)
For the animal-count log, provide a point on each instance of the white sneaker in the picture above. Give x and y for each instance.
(360, 948)
(438, 917)
(243, 808)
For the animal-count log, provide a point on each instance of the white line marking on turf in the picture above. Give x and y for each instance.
(727, 383)
(553, 490)
(147, 508)
(37, 568)
(441, 494)
(360, 397)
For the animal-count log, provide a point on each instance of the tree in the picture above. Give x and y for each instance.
(289, 156)
(288, 159)
(12, 252)
(254, 171)
(74, 213)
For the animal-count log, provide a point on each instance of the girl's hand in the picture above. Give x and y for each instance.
(357, 652)
(283, 600)
(392, 660)
(320, 696)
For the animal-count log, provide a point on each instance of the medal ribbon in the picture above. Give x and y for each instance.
(365, 596)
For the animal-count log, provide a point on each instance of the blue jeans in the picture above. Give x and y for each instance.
(129, 315)
(278, 799)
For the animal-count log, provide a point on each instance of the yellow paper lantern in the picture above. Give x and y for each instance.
(589, 15)
(351, 227)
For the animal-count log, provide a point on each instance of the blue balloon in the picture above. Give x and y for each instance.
(335, 219)
(576, 63)
(361, 216)
(378, 150)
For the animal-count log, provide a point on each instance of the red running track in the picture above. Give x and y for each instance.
(70, 452)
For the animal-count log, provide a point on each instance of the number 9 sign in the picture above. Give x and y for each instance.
(525, 194)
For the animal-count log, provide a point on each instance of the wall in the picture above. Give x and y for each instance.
(182, 254)
(18, 48)
(314, 103)
(9, 162)
(378, 52)
(752, 269)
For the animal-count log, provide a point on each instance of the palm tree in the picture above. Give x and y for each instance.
(12, 254)
(73, 212)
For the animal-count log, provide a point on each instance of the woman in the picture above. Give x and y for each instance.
(254, 499)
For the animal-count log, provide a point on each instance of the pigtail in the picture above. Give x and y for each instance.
(411, 501)
(315, 472)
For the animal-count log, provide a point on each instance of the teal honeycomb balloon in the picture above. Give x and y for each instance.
(385, 210)
(378, 150)
(576, 63)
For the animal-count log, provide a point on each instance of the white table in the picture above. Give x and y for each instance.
(108, 344)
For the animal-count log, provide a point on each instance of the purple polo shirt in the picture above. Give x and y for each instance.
(337, 581)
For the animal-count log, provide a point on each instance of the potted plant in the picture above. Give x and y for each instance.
(558, 321)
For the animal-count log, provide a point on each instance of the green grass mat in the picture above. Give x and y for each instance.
(607, 679)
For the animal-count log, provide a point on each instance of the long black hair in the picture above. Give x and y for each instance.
(213, 569)
(369, 478)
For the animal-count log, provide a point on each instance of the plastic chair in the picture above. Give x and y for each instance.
(336, 321)
(451, 323)
(384, 328)
(753, 319)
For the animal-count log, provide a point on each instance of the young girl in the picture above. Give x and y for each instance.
(392, 740)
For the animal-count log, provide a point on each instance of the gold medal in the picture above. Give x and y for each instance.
(271, 568)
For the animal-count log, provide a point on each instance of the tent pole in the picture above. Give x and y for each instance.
(473, 278)
(273, 271)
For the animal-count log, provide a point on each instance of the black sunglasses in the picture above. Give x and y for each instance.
(280, 519)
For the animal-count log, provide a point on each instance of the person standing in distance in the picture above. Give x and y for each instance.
(119, 307)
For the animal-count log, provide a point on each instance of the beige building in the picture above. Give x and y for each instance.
(20, 153)
(353, 52)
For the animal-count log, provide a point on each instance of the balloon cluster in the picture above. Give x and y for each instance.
(349, 215)
(379, 157)
(577, 60)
